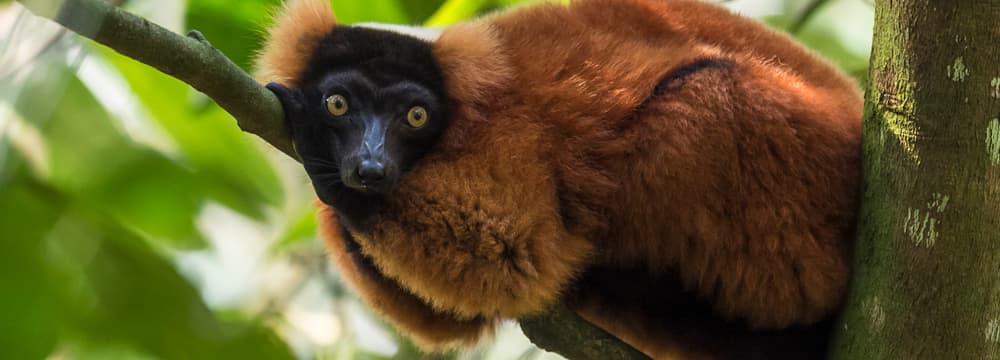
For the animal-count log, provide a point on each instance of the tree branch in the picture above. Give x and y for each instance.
(190, 59)
(195, 61)
(560, 330)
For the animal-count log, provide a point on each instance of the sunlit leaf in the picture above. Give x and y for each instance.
(138, 302)
(825, 43)
(382, 11)
(453, 11)
(94, 162)
(83, 350)
(302, 228)
(32, 304)
(420, 10)
(235, 27)
(227, 163)
(144, 301)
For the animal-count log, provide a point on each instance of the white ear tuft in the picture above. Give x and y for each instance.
(428, 34)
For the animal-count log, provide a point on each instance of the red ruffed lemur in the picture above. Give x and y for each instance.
(683, 177)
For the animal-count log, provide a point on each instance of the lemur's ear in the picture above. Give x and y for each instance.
(292, 100)
(293, 103)
(297, 30)
(472, 61)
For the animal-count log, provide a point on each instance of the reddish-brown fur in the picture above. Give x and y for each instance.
(295, 33)
(425, 326)
(738, 181)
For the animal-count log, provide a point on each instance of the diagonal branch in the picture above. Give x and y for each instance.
(190, 59)
(562, 331)
(195, 61)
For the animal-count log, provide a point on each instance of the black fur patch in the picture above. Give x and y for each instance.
(383, 56)
(678, 314)
(367, 268)
(362, 262)
(675, 79)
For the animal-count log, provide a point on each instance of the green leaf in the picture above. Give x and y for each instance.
(152, 195)
(227, 163)
(420, 10)
(234, 27)
(453, 11)
(92, 161)
(33, 301)
(817, 35)
(74, 277)
(82, 350)
(142, 300)
(302, 229)
(383, 11)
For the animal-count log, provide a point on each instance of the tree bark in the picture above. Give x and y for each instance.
(562, 331)
(925, 284)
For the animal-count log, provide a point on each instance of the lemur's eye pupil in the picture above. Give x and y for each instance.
(336, 105)
(417, 117)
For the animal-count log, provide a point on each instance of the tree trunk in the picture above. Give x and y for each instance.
(926, 282)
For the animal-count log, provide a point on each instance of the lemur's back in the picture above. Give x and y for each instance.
(703, 147)
(698, 169)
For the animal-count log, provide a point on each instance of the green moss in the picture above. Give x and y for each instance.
(993, 140)
(958, 71)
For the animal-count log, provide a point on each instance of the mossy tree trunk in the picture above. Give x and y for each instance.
(927, 260)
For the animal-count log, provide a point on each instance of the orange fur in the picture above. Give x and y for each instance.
(292, 38)
(738, 181)
(428, 328)
(472, 60)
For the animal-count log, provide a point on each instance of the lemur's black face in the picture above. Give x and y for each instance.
(368, 106)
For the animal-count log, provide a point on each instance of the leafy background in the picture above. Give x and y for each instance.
(136, 221)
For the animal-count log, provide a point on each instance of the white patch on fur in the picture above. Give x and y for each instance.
(428, 34)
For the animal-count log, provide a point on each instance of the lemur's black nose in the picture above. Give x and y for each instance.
(371, 171)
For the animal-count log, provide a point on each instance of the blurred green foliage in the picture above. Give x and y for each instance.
(93, 219)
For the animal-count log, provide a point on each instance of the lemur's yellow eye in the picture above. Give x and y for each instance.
(417, 117)
(336, 105)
